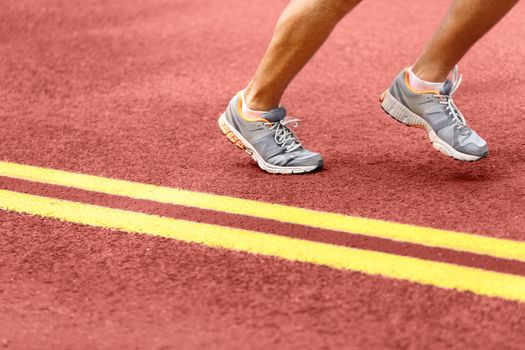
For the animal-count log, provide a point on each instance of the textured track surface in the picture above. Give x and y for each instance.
(132, 89)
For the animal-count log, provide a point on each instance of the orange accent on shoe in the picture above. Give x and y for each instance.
(382, 97)
(244, 116)
(231, 136)
(407, 83)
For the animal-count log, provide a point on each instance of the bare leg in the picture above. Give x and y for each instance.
(465, 23)
(301, 30)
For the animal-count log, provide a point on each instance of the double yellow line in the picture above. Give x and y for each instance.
(444, 275)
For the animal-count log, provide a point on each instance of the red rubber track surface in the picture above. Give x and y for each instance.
(132, 89)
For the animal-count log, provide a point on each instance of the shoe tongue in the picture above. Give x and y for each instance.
(275, 115)
(447, 88)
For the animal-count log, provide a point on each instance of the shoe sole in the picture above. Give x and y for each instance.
(238, 140)
(402, 114)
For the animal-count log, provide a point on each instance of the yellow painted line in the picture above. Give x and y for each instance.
(443, 275)
(477, 244)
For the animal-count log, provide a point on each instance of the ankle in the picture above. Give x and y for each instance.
(429, 73)
(258, 101)
(249, 112)
(421, 85)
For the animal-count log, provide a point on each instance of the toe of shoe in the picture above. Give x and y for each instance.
(308, 159)
(475, 150)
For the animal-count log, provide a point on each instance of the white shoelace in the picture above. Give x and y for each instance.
(448, 101)
(284, 136)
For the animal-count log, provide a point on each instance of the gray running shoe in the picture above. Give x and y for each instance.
(269, 139)
(435, 112)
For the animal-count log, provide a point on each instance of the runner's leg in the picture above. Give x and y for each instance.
(301, 30)
(465, 23)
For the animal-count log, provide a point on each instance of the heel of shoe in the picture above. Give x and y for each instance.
(394, 108)
(226, 131)
(402, 114)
